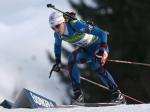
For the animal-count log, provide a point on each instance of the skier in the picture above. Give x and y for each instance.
(91, 42)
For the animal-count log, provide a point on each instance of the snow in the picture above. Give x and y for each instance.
(119, 108)
(25, 37)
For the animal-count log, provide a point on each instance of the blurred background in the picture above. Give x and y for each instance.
(26, 48)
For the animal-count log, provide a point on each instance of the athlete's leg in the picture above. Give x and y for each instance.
(77, 57)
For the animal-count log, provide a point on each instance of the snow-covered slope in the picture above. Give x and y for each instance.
(119, 108)
(25, 36)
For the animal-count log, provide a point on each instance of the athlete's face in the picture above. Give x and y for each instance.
(60, 28)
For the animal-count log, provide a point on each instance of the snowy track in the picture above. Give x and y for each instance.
(119, 108)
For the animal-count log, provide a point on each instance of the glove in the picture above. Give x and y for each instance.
(101, 55)
(104, 57)
(56, 67)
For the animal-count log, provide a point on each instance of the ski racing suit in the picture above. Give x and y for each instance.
(88, 39)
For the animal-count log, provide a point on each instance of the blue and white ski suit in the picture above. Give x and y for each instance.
(88, 39)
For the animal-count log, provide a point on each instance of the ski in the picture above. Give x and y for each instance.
(97, 104)
(88, 105)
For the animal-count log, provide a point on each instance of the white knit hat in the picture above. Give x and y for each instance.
(56, 18)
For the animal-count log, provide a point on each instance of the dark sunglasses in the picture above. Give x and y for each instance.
(56, 26)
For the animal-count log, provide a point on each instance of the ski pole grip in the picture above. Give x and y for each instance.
(50, 6)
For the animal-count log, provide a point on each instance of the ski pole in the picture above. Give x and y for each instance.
(129, 62)
(125, 62)
(103, 87)
(52, 71)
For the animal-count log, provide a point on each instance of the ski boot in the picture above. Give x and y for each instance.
(78, 97)
(118, 97)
